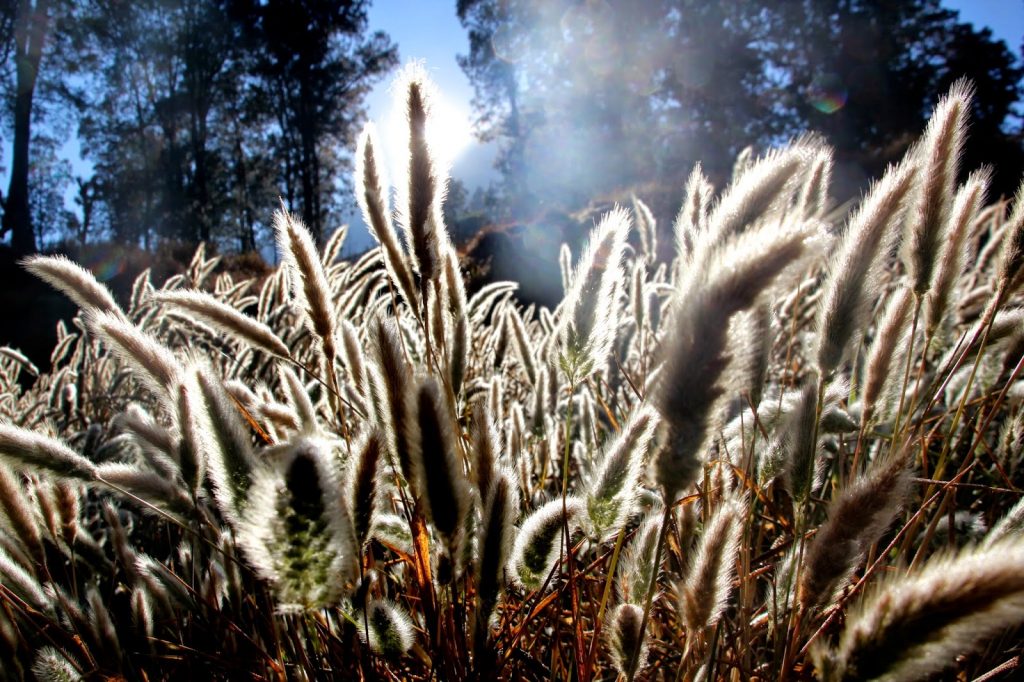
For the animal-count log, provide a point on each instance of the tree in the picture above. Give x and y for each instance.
(592, 98)
(314, 68)
(26, 26)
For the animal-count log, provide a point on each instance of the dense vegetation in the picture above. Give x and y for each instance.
(792, 451)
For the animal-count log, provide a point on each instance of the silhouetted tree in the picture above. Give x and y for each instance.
(314, 67)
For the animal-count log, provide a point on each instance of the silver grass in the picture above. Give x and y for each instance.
(692, 218)
(391, 631)
(68, 508)
(229, 456)
(814, 194)
(623, 632)
(147, 485)
(912, 626)
(1011, 255)
(309, 281)
(24, 449)
(332, 249)
(751, 345)
(395, 392)
(73, 281)
(438, 476)
(589, 312)
(149, 359)
(488, 298)
(424, 186)
(939, 159)
(53, 665)
(695, 357)
(500, 511)
(857, 516)
(539, 542)
(366, 484)
(392, 530)
(102, 625)
(225, 318)
(540, 402)
(154, 440)
(966, 204)
(192, 456)
(565, 266)
(14, 577)
(1011, 525)
(298, 398)
(647, 227)
(63, 349)
(522, 345)
(142, 612)
(751, 196)
(892, 330)
(638, 569)
(705, 590)
(19, 359)
(486, 451)
(852, 282)
(638, 298)
(295, 532)
(353, 351)
(162, 583)
(459, 344)
(18, 512)
(612, 490)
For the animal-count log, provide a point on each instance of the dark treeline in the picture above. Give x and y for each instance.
(588, 100)
(198, 114)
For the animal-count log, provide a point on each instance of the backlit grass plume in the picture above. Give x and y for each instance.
(914, 626)
(588, 313)
(295, 530)
(771, 454)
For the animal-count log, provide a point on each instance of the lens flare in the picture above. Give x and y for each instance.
(449, 132)
(827, 94)
(104, 265)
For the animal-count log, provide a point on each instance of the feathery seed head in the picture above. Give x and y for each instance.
(73, 281)
(912, 626)
(439, 478)
(611, 493)
(623, 632)
(853, 277)
(295, 531)
(939, 159)
(537, 546)
(589, 313)
(705, 591)
(390, 629)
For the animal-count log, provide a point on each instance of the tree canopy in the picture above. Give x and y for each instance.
(590, 98)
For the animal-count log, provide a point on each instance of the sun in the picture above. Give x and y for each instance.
(449, 132)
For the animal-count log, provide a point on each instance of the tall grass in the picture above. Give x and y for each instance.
(775, 457)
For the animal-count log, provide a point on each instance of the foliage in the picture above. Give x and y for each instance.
(354, 469)
(592, 99)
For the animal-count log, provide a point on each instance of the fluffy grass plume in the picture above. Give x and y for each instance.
(853, 271)
(588, 312)
(73, 281)
(913, 626)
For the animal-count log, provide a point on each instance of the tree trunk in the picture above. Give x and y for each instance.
(30, 33)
